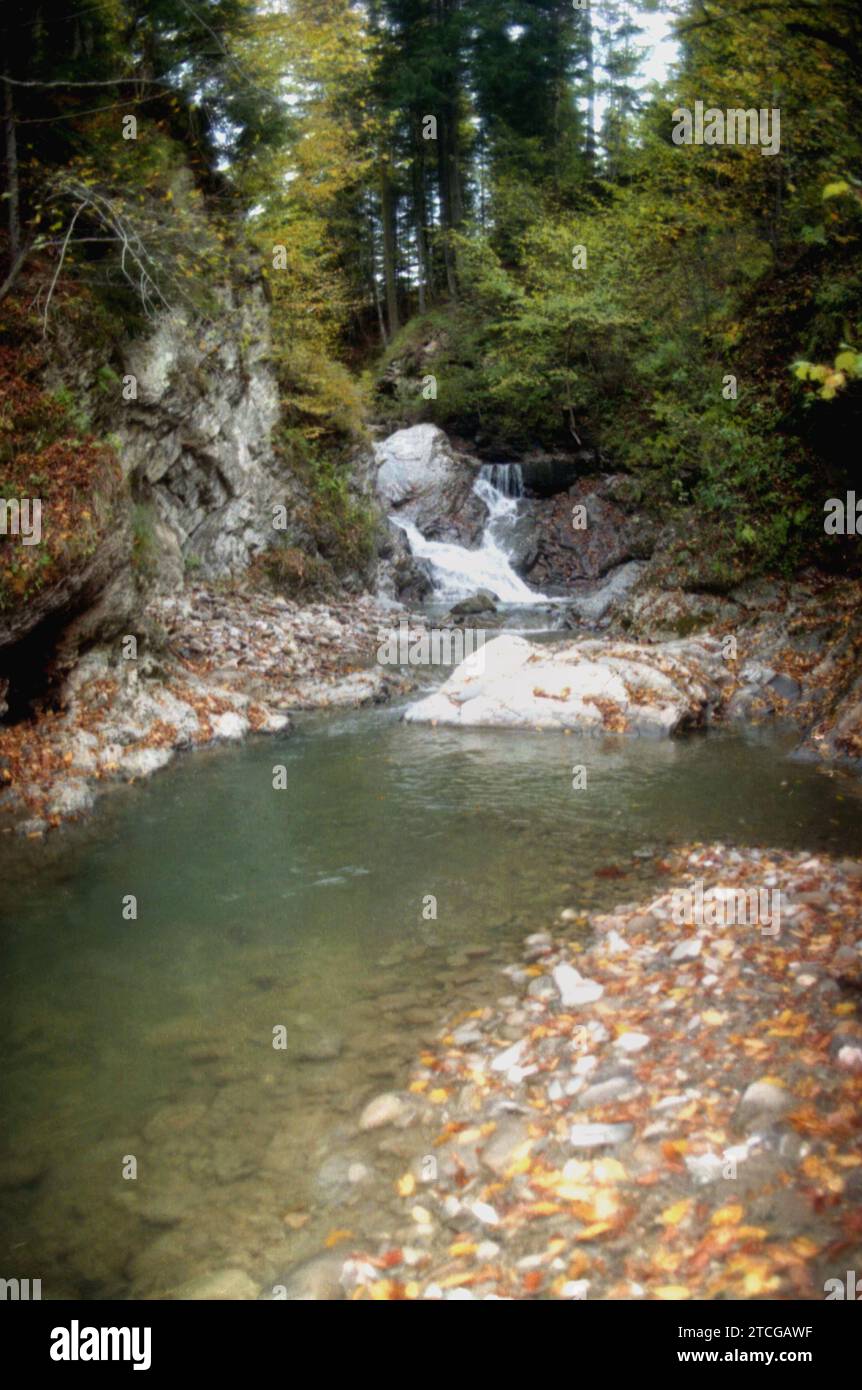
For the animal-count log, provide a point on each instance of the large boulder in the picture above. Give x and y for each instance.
(596, 686)
(421, 479)
(615, 532)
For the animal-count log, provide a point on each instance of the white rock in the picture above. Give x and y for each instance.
(576, 1288)
(579, 685)
(574, 989)
(766, 1095)
(704, 1168)
(687, 950)
(509, 1057)
(586, 1136)
(385, 1109)
(230, 726)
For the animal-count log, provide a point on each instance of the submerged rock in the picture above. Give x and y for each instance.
(483, 601)
(385, 1109)
(223, 1285)
(313, 1280)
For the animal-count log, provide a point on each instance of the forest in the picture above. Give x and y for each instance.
(410, 173)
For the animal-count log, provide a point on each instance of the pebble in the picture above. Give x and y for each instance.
(385, 1109)
(509, 1057)
(632, 1042)
(223, 1285)
(573, 988)
(586, 1136)
(687, 950)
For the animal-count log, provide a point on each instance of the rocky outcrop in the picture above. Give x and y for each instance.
(401, 576)
(197, 440)
(421, 479)
(90, 601)
(578, 545)
(593, 687)
(605, 596)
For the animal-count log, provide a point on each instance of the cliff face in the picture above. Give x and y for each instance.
(196, 442)
(190, 414)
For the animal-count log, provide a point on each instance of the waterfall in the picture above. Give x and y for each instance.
(507, 478)
(458, 572)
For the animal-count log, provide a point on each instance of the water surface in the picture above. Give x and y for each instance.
(257, 909)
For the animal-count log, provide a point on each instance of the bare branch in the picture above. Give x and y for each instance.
(69, 232)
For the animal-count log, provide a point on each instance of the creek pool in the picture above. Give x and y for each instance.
(146, 1045)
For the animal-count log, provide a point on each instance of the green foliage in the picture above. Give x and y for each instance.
(144, 545)
(330, 521)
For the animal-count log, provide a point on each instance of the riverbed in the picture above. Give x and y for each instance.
(153, 1131)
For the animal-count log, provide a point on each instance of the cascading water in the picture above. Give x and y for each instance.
(458, 572)
(507, 478)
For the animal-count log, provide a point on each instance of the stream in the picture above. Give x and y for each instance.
(153, 1132)
(304, 908)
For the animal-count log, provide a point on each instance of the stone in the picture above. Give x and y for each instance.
(483, 601)
(509, 1057)
(70, 798)
(229, 726)
(687, 950)
(386, 1109)
(317, 1279)
(617, 1088)
(422, 481)
(594, 606)
(574, 989)
(593, 1136)
(762, 1103)
(597, 686)
(222, 1285)
(632, 1042)
(511, 1132)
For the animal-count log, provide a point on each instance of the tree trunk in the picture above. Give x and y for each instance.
(420, 213)
(13, 215)
(375, 289)
(388, 214)
(590, 142)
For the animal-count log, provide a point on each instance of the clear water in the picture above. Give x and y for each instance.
(303, 908)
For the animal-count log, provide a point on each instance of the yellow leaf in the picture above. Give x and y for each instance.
(730, 1215)
(672, 1216)
(462, 1247)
